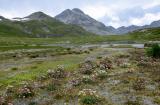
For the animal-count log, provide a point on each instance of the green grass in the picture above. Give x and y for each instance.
(25, 73)
(8, 41)
(20, 47)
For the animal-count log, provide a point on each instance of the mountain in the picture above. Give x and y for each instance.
(39, 24)
(78, 17)
(39, 16)
(124, 30)
(155, 24)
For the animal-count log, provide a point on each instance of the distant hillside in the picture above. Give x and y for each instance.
(146, 34)
(38, 25)
(124, 30)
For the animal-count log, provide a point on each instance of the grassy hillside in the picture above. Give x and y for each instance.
(146, 34)
(8, 29)
(37, 28)
(26, 32)
(24, 41)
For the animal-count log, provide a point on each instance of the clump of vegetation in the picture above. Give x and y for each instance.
(87, 67)
(105, 63)
(25, 92)
(3, 101)
(87, 79)
(101, 74)
(57, 73)
(130, 102)
(125, 65)
(6, 98)
(142, 63)
(9, 89)
(75, 82)
(157, 100)
(59, 94)
(14, 68)
(89, 97)
(139, 84)
(33, 56)
(154, 51)
(51, 87)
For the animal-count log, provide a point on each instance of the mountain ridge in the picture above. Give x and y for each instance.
(39, 24)
(77, 17)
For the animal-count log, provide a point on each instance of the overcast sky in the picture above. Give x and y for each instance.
(110, 12)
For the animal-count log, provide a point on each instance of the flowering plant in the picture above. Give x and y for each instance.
(88, 97)
(25, 92)
(101, 74)
(75, 82)
(59, 72)
(87, 79)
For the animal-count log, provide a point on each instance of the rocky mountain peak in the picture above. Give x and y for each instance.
(77, 10)
(78, 17)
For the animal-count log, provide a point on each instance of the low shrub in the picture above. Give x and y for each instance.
(87, 67)
(51, 87)
(125, 65)
(14, 68)
(87, 79)
(154, 51)
(89, 100)
(57, 73)
(2, 101)
(105, 63)
(89, 97)
(129, 102)
(157, 100)
(102, 74)
(25, 92)
(139, 84)
(75, 82)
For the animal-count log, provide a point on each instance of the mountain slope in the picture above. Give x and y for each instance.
(146, 34)
(77, 17)
(39, 25)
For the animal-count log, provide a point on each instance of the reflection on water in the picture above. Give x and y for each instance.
(114, 45)
(99, 45)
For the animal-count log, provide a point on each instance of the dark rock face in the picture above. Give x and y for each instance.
(78, 17)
